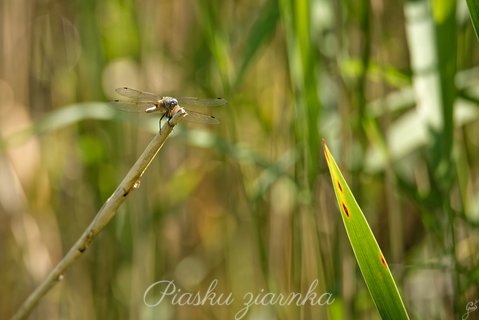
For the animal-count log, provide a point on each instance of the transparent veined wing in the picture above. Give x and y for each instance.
(132, 106)
(199, 102)
(137, 94)
(197, 117)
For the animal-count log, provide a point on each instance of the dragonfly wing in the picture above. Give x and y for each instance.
(137, 94)
(197, 102)
(132, 106)
(197, 117)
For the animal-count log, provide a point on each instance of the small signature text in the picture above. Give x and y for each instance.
(471, 306)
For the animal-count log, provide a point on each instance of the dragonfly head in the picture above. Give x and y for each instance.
(170, 102)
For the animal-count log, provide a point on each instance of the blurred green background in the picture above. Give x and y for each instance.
(391, 86)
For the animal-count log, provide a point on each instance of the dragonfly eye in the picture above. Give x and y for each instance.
(171, 103)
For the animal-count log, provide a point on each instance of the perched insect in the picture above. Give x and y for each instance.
(140, 101)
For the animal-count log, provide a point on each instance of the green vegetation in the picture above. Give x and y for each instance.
(391, 86)
(371, 261)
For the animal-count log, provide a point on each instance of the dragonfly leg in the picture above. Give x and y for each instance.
(162, 116)
(169, 118)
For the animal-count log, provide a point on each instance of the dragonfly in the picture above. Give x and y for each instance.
(141, 101)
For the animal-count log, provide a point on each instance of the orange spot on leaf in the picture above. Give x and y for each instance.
(346, 211)
(383, 262)
(339, 186)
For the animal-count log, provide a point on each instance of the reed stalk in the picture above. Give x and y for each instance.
(104, 215)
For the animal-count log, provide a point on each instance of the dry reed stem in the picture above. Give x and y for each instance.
(104, 215)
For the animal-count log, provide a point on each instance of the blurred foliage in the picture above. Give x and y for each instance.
(393, 88)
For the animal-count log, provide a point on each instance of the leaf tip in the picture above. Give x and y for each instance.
(326, 150)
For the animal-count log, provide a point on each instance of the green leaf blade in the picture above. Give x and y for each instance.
(474, 11)
(371, 261)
